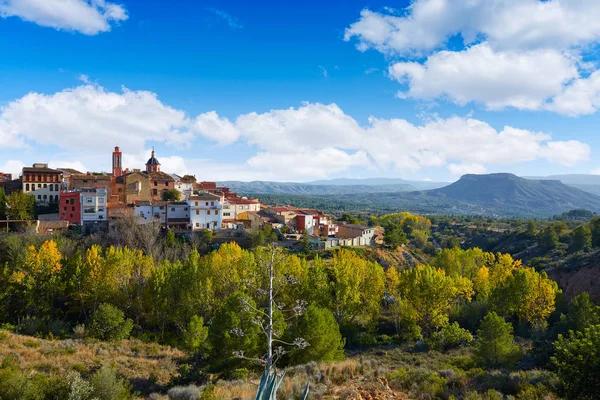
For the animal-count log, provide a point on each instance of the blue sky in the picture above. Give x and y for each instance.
(301, 90)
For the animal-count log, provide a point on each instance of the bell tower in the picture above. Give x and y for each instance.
(117, 167)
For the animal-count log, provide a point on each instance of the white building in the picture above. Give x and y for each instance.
(42, 182)
(93, 205)
(205, 211)
(234, 206)
(150, 211)
(178, 215)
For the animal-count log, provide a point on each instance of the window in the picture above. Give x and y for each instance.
(56, 187)
(155, 183)
(65, 208)
(226, 214)
(45, 185)
(161, 207)
(167, 184)
(207, 212)
(45, 197)
(185, 209)
(172, 209)
(212, 203)
(52, 188)
(216, 212)
(73, 208)
(71, 216)
(72, 201)
(101, 201)
(207, 203)
(39, 185)
(196, 204)
(39, 197)
(27, 187)
(88, 200)
(197, 225)
(197, 212)
(154, 192)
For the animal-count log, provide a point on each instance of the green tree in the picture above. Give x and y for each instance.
(171, 195)
(195, 334)
(109, 323)
(3, 201)
(548, 239)
(20, 206)
(531, 229)
(577, 360)
(107, 386)
(582, 313)
(581, 239)
(320, 329)
(495, 346)
(394, 236)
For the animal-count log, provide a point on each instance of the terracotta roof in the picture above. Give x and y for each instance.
(238, 200)
(161, 175)
(39, 169)
(46, 225)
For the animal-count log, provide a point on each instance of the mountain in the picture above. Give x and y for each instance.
(420, 185)
(265, 187)
(507, 194)
(586, 182)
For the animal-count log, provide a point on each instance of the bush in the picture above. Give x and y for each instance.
(195, 335)
(190, 392)
(319, 328)
(109, 323)
(451, 336)
(426, 381)
(106, 385)
(495, 343)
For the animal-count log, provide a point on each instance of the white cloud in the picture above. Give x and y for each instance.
(76, 165)
(89, 117)
(462, 169)
(426, 25)
(324, 72)
(218, 129)
(311, 141)
(581, 97)
(89, 17)
(524, 80)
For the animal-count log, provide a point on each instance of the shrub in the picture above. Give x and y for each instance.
(79, 389)
(109, 323)
(495, 343)
(190, 392)
(106, 385)
(451, 336)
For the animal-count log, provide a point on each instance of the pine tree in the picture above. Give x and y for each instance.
(495, 345)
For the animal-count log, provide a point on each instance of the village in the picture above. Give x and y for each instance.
(91, 202)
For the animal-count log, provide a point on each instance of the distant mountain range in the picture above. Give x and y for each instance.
(492, 194)
(333, 187)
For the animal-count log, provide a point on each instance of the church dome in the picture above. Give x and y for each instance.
(152, 160)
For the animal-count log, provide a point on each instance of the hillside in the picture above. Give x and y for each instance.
(314, 189)
(419, 185)
(507, 194)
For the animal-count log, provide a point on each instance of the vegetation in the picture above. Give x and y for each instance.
(439, 317)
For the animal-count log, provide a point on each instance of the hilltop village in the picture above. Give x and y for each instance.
(69, 199)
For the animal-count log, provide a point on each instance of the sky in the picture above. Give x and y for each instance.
(298, 91)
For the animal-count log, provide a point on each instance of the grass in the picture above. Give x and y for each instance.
(132, 359)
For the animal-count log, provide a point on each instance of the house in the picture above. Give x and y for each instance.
(69, 208)
(52, 227)
(159, 183)
(131, 187)
(89, 181)
(42, 182)
(233, 206)
(361, 235)
(150, 211)
(285, 214)
(205, 211)
(256, 220)
(178, 215)
(4, 177)
(94, 215)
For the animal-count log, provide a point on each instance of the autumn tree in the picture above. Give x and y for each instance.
(527, 294)
(426, 295)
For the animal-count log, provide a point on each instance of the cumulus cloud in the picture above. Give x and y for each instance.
(525, 54)
(89, 117)
(310, 141)
(89, 17)
(14, 167)
(426, 25)
(523, 80)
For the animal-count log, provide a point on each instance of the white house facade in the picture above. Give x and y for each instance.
(205, 211)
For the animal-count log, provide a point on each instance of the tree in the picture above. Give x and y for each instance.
(20, 206)
(495, 346)
(581, 239)
(531, 229)
(426, 295)
(171, 195)
(527, 294)
(195, 335)
(321, 331)
(582, 313)
(548, 239)
(109, 323)
(356, 287)
(577, 361)
(3, 201)
(394, 236)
